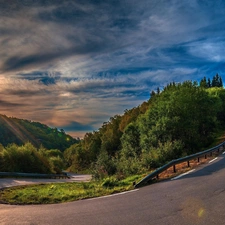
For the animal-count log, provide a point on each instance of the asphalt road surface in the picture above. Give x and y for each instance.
(194, 199)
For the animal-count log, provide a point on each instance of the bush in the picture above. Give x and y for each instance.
(110, 182)
(57, 164)
(27, 159)
(104, 166)
(129, 166)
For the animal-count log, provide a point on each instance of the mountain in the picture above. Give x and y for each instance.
(20, 131)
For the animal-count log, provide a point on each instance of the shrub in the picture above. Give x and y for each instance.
(110, 182)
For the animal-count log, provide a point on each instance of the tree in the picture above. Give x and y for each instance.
(152, 93)
(217, 81)
(131, 141)
(220, 82)
(183, 113)
(209, 83)
(158, 90)
(110, 135)
(203, 83)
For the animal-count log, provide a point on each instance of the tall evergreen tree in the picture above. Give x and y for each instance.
(209, 83)
(153, 93)
(203, 83)
(158, 90)
(216, 81)
(221, 82)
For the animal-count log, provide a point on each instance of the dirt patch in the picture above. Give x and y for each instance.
(186, 166)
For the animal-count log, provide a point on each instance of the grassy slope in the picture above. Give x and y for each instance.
(64, 192)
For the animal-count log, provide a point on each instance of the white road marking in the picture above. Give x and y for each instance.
(112, 195)
(223, 153)
(213, 160)
(181, 175)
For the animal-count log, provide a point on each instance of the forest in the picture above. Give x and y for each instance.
(178, 120)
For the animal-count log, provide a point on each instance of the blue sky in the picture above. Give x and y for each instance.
(74, 64)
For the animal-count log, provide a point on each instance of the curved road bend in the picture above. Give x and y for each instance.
(197, 198)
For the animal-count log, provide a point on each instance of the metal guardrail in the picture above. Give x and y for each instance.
(34, 175)
(173, 163)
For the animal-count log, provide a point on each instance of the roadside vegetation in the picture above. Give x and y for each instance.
(65, 192)
(28, 159)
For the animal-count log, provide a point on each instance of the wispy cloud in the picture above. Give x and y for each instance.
(73, 64)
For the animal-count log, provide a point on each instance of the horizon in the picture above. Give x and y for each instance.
(74, 64)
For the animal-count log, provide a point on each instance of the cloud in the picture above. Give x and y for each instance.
(48, 34)
(74, 64)
(6, 104)
(208, 50)
(73, 125)
(45, 77)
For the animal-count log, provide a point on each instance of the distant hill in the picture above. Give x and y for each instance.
(20, 131)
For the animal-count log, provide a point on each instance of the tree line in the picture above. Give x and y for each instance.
(216, 82)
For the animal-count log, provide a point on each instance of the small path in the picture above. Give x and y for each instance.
(10, 182)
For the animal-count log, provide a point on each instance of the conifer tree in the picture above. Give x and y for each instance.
(221, 82)
(153, 93)
(216, 81)
(203, 83)
(158, 90)
(209, 83)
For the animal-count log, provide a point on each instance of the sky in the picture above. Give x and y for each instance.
(73, 64)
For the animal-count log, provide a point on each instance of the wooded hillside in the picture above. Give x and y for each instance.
(20, 131)
(181, 119)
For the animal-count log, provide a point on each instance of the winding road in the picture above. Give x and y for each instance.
(197, 198)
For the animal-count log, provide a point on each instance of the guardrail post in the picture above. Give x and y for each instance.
(198, 159)
(188, 163)
(205, 156)
(174, 168)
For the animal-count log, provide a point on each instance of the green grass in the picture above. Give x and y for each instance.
(65, 192)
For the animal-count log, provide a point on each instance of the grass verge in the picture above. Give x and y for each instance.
(64, 192)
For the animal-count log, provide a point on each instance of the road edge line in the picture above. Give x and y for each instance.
(183, 174)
